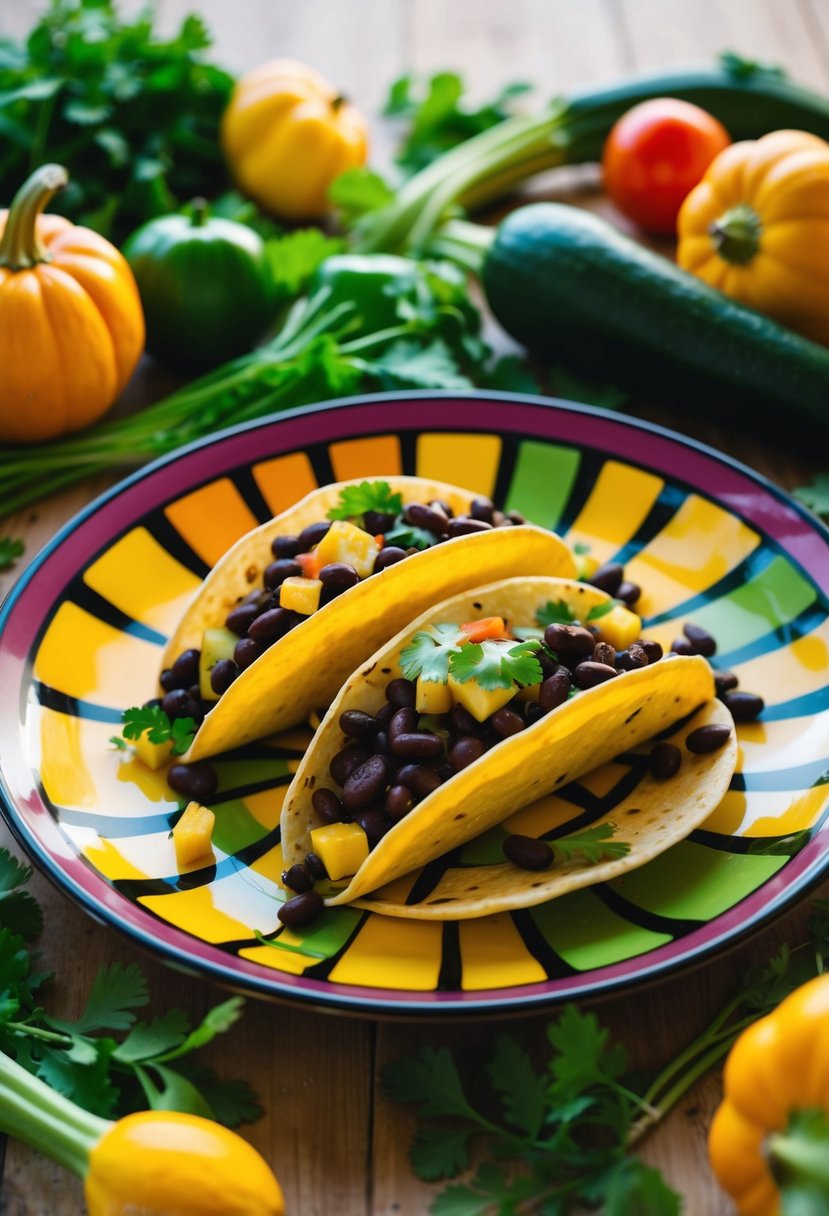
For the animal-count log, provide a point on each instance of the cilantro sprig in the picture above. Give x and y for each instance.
(106, 1060)
(158, 726)
(593, 845)
(10, 550)
(559, 612)
(367, 496)
(493, 665)
(815, 495)
(429, 652)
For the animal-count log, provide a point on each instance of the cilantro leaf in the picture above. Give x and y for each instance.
(20, 912)
(407, 536)
(493, 665)
(89, 1085)
(367, 496)
(293, 258)
(116, 992)
(358, 192)
(521, 1090)
(460, 1200)
(594, 845)
(555, 612)
(429, 653)
(233, 1102)
(430, 1078)
(631, 1186)
(407, 363)
(10, 550)
(815, 495)
(159, 727)
(438, 1151)
(583, 1055)
(216, 1021)
(599, 610)
(148, 1039)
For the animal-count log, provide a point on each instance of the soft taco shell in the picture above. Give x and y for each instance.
(304, 670)
(585, 732)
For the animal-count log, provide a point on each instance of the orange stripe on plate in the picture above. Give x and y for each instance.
(389, 953)
(378, 456)
(284, 480)
(462, 459)
(212, 518)
(493, 955)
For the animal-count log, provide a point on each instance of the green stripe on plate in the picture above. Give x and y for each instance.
(587, 934)
(541, 482)
(235, 827)
(239, 774)
(325, 938)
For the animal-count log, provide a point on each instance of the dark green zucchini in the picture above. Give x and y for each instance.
(569, 287)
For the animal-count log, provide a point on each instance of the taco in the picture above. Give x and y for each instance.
(295, 605)
(485, 704)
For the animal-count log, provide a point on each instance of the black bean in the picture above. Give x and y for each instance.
(198, 781)
(240, 618)
(299, 878)
(285, 546)
(652, 649)
(628, 592)
(222, 676)
(665, 760)
(461, 721)
(167, 680)
(419, 779)
(700, 639)
(385, 714)
(555, 689)
(708, 738)
(603, 652)
(608, 577)
(195, 692)
(339, 576)
(725, 681)
(403, 722)
(481, 509)
(358, 725)
(381, 743)
(682, 646)
(301, 910)
(534, 711)
(569, 641)
(466, 751)
(506, 722)
(401, 693)
(375, 823)
(271, 625)
(346, 761)
(589, 674)
(312, 535)
(186, 668)
(246, 652)
(417, 745)
(316, 866)
(547, 663)
(365, 784)
(153, 701)
(389, 556)
(179, 704)
(515, 517)
(744, 706)
(527, 852)
(378, 522)
(466, 527)
(399, 802)
(327, 805)
(433, 520)
(276, 573)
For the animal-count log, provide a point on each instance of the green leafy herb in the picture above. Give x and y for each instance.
(20, 913)
(599, 610)
(567, 384)
(493, 665)
(367, 496)
(816, 495)
(555, 612)
(593, 845)
(159, 727)
(10, 550)
(293, 258)
(742, 69)
(358, 192)
(132, 114)
(429, 653)
(408, 536)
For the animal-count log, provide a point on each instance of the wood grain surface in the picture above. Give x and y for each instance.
(337, 1146)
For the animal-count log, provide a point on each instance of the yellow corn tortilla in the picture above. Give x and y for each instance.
(305, 669)
(587, 731)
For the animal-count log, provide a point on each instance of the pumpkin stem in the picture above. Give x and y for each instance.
(799, 1162)
(20, 247)
(338, 102)
(198, 212)
(736, 235)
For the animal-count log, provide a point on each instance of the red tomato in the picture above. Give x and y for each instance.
(655, 155)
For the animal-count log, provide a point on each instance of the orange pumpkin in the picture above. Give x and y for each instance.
(286, 134)
(71, 325)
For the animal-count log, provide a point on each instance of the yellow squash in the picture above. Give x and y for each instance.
(71, 325)
(286, 134)
(771, 1133)
(757, 228)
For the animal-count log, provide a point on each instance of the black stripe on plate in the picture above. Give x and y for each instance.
(134, 888)
(450, 975)
(798, 777)
(162, 530)
(62, 703)
(641, 917)
(660, 515)
(255, 787)
(96, 605)
(786, 845)
(749, 568)
(506, 468)
(538, 946)
(322, 969)
(254, 499)
(408, 452)
(430, 876)
(321, 463)
(807, 621)
(583, 485)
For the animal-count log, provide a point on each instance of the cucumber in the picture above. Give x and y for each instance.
(569, 287)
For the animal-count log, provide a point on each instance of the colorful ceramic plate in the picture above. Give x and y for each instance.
(708, 540)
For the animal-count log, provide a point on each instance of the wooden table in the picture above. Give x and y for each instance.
(336, 1144)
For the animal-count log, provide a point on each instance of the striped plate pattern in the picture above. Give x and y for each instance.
(82, 633)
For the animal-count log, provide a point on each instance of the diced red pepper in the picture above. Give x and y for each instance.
(487, 629)
(309, 564)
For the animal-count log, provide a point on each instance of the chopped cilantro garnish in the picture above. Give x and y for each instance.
(555, 612)
(600, 610)
(593, 846)
(158, 727)
(406, 536)
(367, 496)
(492, 665)
(10, 550)
(428, 653)
(580, 548)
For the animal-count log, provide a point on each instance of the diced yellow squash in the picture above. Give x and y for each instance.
(300, 594)
(341, 847)
(152, 754)
(531, 693)
(620, 627)
(586, 566)
(345, 542)
(432, 697)
(216, 644)
(479, 701)
(193, 835)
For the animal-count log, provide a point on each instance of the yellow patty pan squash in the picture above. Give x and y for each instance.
(769, 1140)
(71, 325)
(287, 134)
(757, 228)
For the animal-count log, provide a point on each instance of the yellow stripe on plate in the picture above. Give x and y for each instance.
(140, 578)
(266, 806)
(782, 744)
(698, 546)
(279, 960)
(82, 656)
(390, 953)
(471, 461)
(790, 671)
(618, 505)
(376, 456)
(200, 913)
(212, 518)
(493, 955)
(284, 480)
(111, 862)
